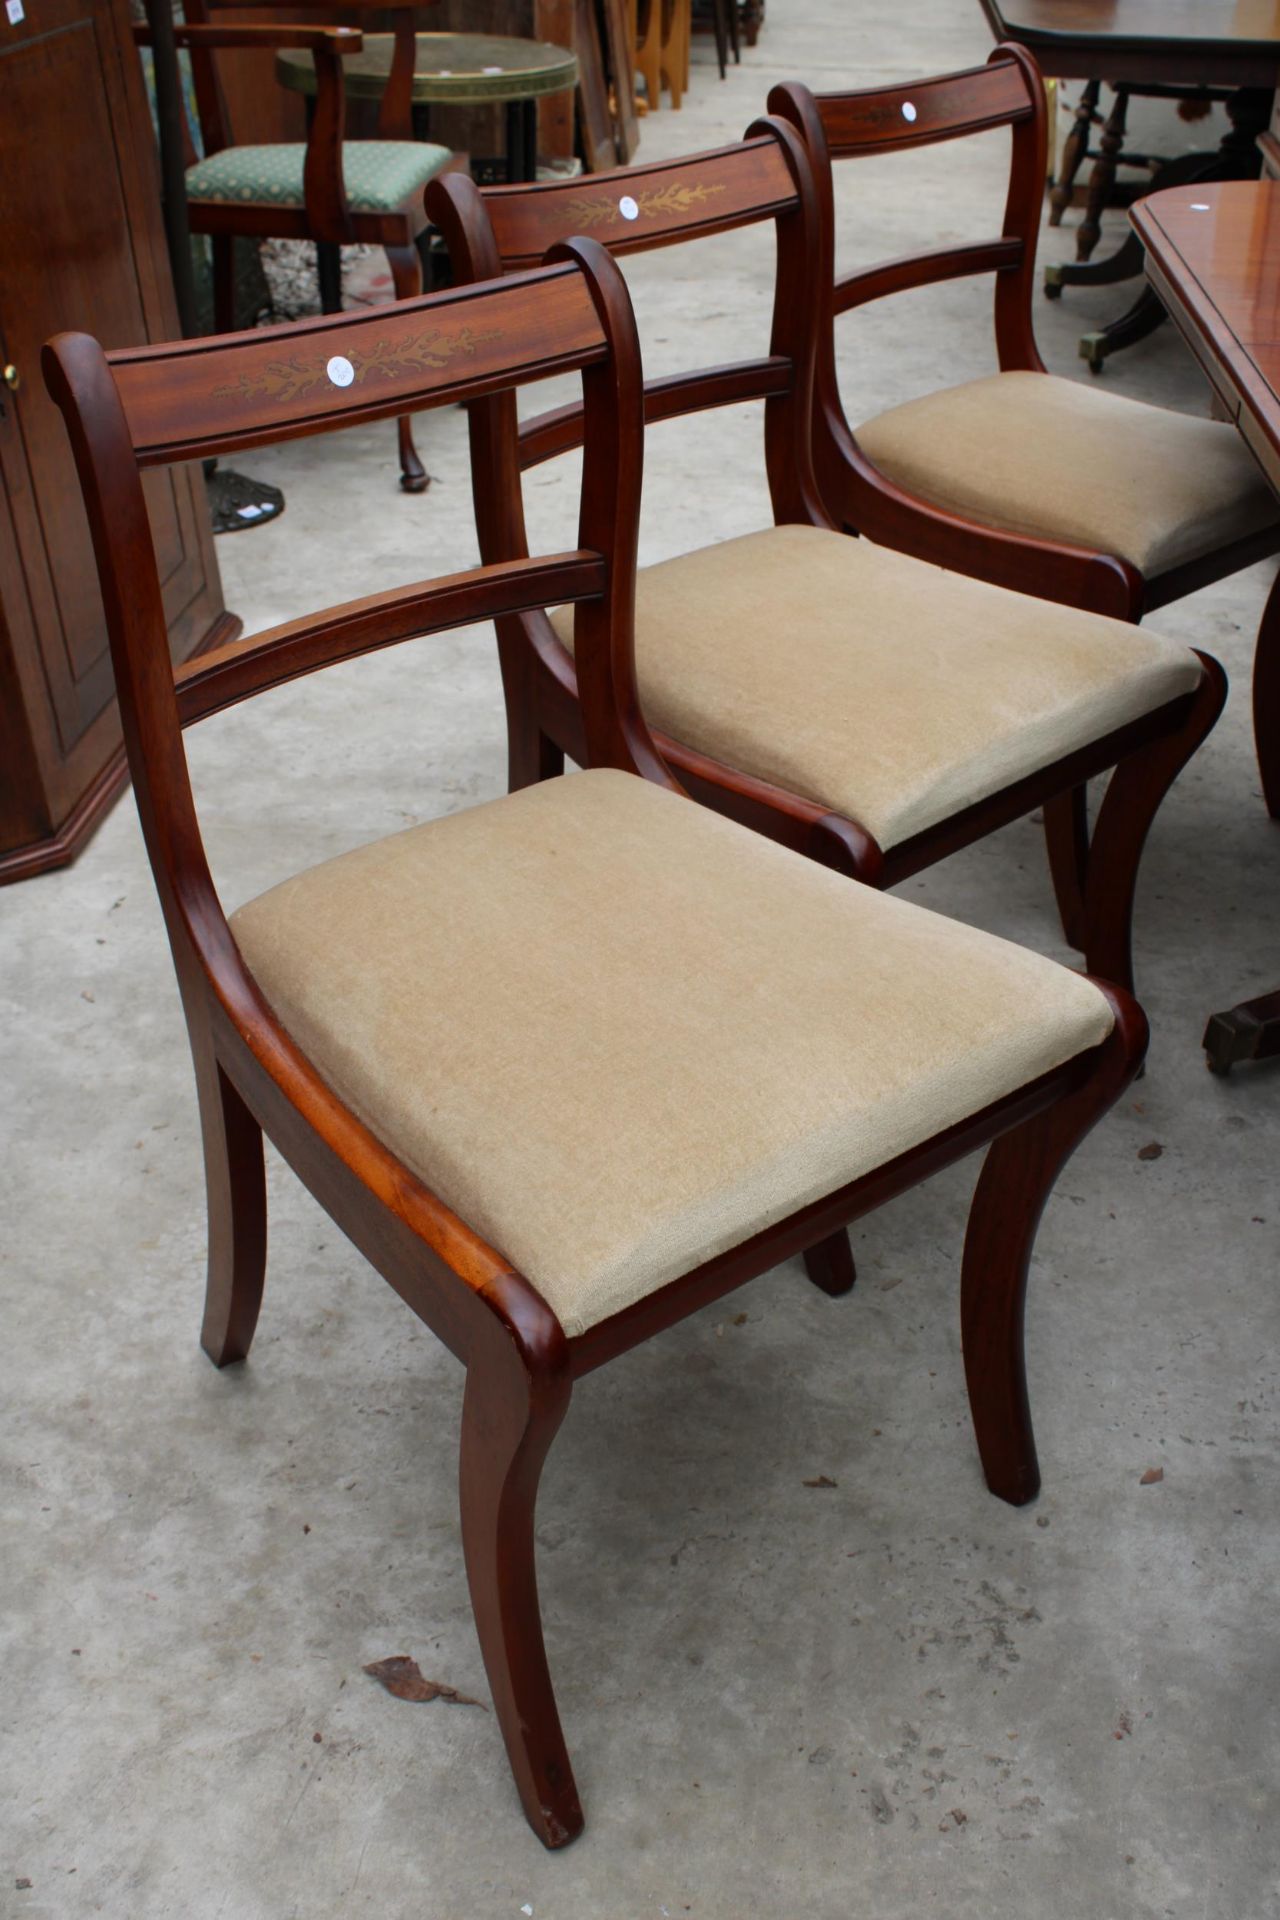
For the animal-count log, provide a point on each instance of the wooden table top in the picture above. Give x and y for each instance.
(1219, 42)
(1213, 256)
(466, 68)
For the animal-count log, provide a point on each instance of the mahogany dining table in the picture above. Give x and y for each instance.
(1154, 46)
(1213, 256)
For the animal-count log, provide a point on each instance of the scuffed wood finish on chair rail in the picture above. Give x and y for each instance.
(127, 411)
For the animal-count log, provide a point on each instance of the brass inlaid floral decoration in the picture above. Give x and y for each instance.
(388, 359)
(586, 213)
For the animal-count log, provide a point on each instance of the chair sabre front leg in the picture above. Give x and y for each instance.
(1133, 796)
(1015, 1182)
(235, 1181)
(510, 1416)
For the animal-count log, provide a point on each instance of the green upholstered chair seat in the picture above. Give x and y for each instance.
(380, 175)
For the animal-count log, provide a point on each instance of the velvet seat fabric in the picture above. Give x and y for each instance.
(619, 1034)
(886, 689)
(1035, 454)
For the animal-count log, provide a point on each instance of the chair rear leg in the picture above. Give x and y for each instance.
(509, 1419)
(406, 274)
(830, 1264)
(1015, 1182)
(1066, 835)
(1266, 701)
(237, 1198)
(1133, 796)
(532, 755)
(224, 282)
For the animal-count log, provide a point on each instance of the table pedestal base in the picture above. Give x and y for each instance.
(1250, 1031)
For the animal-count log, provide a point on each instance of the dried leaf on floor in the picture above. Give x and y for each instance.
(822, 1481)
(402, 1676)
(1151, 1151)
(1152, 1477)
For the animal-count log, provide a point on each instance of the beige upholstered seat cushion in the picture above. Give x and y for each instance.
(1032, 453)
(619, 1034)
(886, 689)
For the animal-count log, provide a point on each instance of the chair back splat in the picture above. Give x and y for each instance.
(1007, 91)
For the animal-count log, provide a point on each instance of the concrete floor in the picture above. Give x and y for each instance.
(888, 1697)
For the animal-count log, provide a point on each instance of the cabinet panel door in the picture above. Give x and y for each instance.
(78, 224)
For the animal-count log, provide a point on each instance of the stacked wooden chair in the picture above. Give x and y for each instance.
(844, 698)
(1023, 478)
(569, 1065)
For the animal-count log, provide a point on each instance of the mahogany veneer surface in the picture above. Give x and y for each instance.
(80, 246)
(1216, 42)
(1213, 256)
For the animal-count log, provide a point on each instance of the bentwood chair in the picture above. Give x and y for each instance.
(1023, 478)
(334, 191)
(519, 1053)
(850, 701)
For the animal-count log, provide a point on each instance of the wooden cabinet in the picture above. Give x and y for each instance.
(81, 246)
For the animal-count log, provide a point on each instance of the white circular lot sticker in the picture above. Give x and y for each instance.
(340, 371)
(908, 111)
(628, 208)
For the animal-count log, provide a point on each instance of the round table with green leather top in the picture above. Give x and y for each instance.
(461, 69)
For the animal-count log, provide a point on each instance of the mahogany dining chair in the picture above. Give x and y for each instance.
(521, 1054)
(870, 709)
(1053, 486)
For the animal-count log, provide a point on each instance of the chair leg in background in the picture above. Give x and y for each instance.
(224, 282)
(235, 1181)
(1074, 150)
(1066, 834)
(1266, 701)
(830, 1264)
(1132, 799)
(406, 274)
(1016, 1180)
(509, 1418)
(1103, 177)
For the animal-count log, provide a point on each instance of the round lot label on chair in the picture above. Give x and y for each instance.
(628, 208)
(908, 110)
(340, 371)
